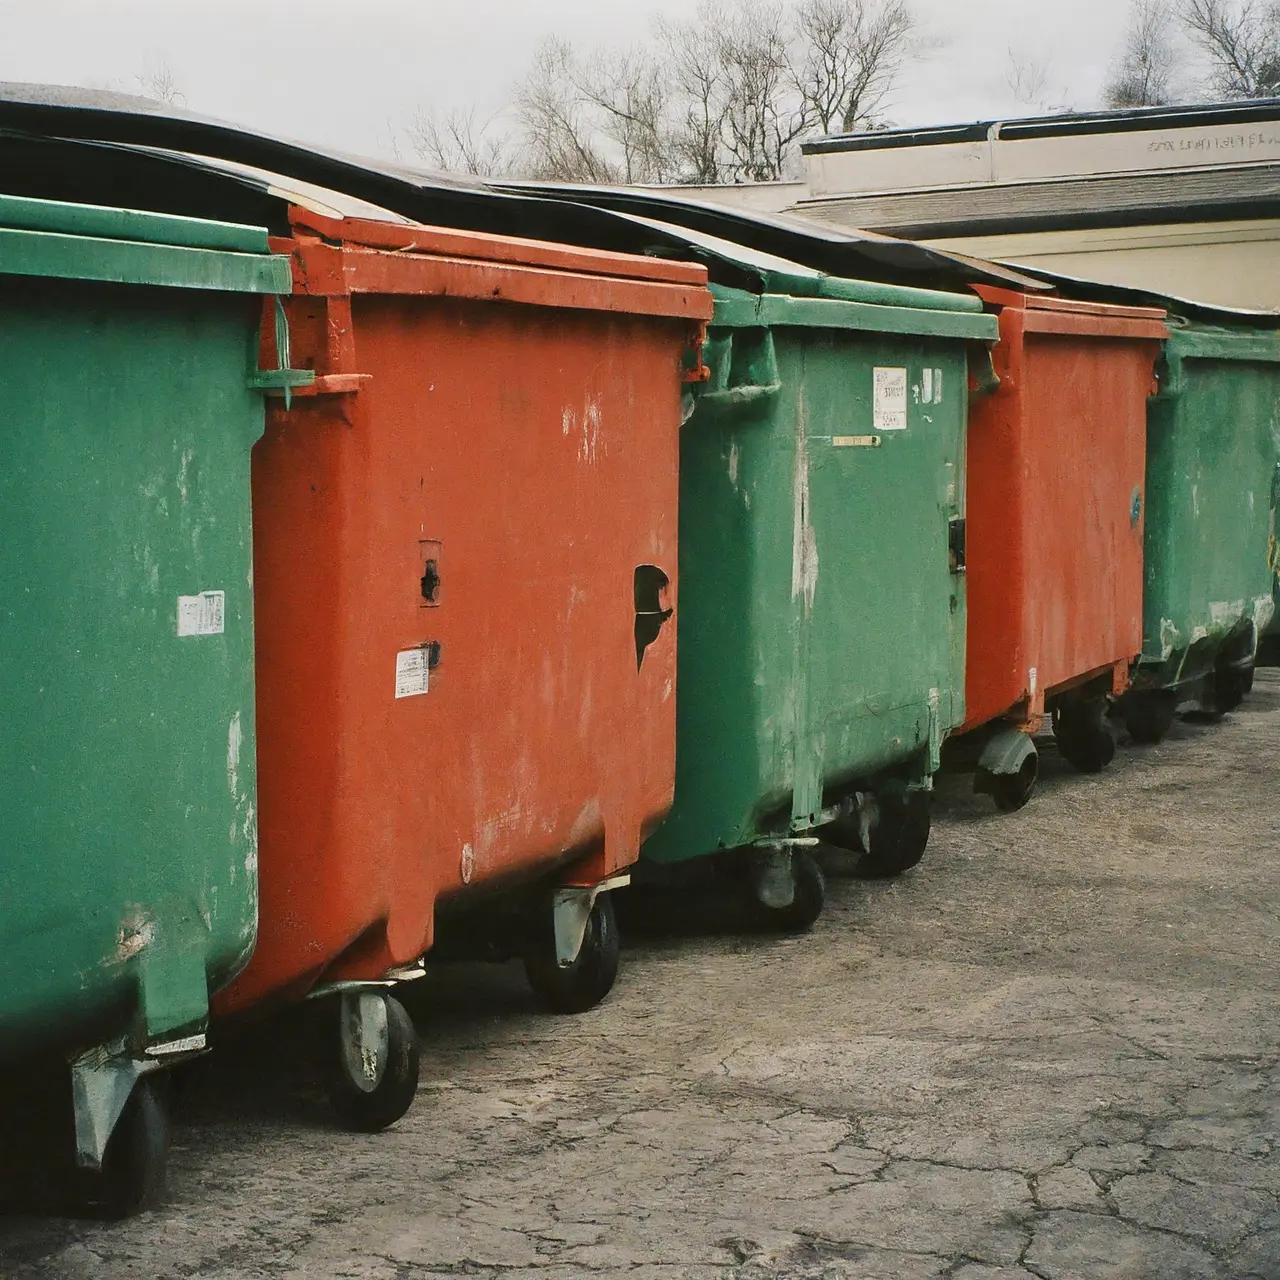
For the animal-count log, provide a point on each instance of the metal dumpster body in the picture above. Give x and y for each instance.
(1211, 468)
(822, 621)
(465, 551)
(128, 880)
(1057, 456)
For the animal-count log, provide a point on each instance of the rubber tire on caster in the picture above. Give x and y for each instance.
(1230, 687)
(133, 1169)
(1082, 737)
(1011, 791)
(899, 838)
(1149, 715)
(810, 897)
(364, 1110)
(579, 986)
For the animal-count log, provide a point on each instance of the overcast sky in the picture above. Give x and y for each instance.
(350, 73)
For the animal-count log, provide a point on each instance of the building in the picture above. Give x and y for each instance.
(1180, 200)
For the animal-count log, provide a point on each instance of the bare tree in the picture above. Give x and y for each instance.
(698, 87)
(764, 114)
(1030, 80)
(629, 92)
(159, 83)
(1146, 67)
(723, 96)
(560, 142)
(1242, 41)
(454, 143)
(853, 53)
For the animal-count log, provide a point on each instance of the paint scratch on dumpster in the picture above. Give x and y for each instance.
(135, 935)
(587, 823)
(184, 484)
(1168, 638)
(1264, 609)
(590, 431)
(1224, 614)
(735, 458)
(235, 740)
(804, 545)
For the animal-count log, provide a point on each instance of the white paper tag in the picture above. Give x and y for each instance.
(202, 615)
(890, 399)
(411, 673)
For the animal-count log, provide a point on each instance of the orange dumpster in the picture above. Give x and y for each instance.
(1057, 457)
(465, 566)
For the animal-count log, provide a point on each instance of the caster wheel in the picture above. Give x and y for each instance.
(1082, 736)
(133, 1168)
(1148, 716)
(372, 1074)
(1229, 688)
(576, 987)
(899, 838)
(844, 833)
(809, 897)
(1010, 791)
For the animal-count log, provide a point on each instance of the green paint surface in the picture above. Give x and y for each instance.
(128, 871)
(1213, 435)
(821, 630)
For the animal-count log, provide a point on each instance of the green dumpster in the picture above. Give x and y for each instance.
(1211, 466)
(822, 604)
(128, 874)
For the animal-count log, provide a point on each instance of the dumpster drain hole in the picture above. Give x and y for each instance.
(650, 587)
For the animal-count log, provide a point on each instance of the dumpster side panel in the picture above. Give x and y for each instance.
(128, 884)
(885, 678)
(741, 623)
(821, 632)
(1211, 466)
(530, 454)
(1085, 402)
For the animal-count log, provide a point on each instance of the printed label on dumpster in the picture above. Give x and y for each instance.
(412, 673)
(202, 615)
(890, 399)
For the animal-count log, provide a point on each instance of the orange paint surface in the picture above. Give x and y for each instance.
(509, 411)
(1055, 458)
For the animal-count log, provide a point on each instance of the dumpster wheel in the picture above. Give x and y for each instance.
(372, 1072)
(1080, 730)
(1149, 713)
(1230, 687)
(1010, 791)
(133, 1167)
(899, 837)
(589, 977)
(809, 896)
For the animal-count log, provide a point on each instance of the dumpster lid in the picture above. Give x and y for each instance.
(836, 251)
(67, 241)
(411, 237)
(1051, 314)
(767, 273)
(547, 213)
(21, 213)
(69, 114)
(180, 183)
(1077, 287)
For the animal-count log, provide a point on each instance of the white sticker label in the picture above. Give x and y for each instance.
(890, 399)
(202, 615)
(411, 673)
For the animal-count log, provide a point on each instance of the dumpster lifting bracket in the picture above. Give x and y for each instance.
(571, 909)
(102, 1083)
(774, 878)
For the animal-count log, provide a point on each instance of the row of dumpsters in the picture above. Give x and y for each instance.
(375, 593)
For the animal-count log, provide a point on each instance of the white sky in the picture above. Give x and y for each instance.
(350, 74)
